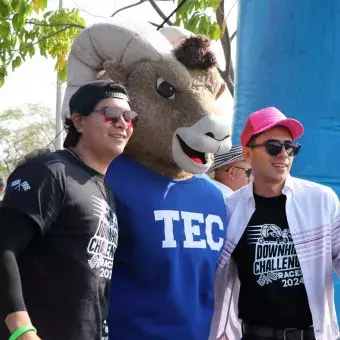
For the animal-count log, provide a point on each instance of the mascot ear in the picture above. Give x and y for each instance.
(116, 71)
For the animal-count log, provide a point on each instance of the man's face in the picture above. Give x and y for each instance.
(104, 135)
(267, 168)
(235, 175)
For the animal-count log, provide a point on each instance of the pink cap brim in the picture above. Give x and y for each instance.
(294, 126)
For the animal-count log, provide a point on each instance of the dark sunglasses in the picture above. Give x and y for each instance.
(248, 171)
(113, 113)
(274, 147)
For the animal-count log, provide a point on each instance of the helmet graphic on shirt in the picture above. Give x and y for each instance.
(272, 233)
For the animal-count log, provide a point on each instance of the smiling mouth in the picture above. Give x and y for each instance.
(282, 166)
(117, 136)
(194, 155)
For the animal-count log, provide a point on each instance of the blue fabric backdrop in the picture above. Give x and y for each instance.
(289, 57)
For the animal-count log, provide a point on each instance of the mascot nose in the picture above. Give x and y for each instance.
(211, 135)
(216, 127)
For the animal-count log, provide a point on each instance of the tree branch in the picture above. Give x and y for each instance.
(166, 20)
(41, 128)
(233, 36)
(231, 9)
(228, 74)
(67, 25)
(42, 39)
(127, 7)
(6, 164)
(152, 3)
(153, 23)
(159, 11)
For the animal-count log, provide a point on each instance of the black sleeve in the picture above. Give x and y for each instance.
(34, 197)
(17, 231)
(34, 191)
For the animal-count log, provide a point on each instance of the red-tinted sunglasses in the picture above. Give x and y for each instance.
(113, 113)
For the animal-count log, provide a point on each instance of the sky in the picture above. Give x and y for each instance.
(36, 78)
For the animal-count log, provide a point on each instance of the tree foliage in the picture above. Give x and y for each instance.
(22, 131)
(194, 15)
(26, 28)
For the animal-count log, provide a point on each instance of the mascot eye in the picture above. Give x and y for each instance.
(165, 89)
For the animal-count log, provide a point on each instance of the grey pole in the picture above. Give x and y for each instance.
(58, 122)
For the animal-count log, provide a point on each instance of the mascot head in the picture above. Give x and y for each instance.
(174, 85)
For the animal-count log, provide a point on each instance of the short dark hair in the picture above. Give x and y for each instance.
(252, 139)
(31, 155)
(84, 101)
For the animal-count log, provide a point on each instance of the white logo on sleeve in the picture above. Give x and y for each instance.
(275, 256)
(18, 185)
(103, 244)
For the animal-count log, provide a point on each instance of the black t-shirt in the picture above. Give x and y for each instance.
(65, 271)
(272, 291)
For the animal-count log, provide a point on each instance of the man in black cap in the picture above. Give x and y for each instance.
(58, 229)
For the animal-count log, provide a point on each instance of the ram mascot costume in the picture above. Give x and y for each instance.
(172, 222)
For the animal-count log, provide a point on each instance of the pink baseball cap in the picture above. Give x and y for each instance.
(266, 119)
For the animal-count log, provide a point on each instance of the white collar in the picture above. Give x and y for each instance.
(288, 187)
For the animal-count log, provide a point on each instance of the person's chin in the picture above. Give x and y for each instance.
(280, 177)
(118, 148)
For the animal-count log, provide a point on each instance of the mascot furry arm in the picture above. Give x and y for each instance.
(172, 224)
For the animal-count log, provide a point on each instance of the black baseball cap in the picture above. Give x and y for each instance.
(87, 96)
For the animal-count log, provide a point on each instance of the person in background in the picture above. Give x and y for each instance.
(27, 157)
(59, 231)
(33, 154)
(231, 170)
(2, 188)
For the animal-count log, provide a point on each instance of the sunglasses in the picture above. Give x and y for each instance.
(248, 171)
(114, 113)
(274, 147)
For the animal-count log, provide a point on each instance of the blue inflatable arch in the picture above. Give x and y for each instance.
(289, 57)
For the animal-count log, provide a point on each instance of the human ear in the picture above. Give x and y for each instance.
(231, 172)
(246, 153)
(77, 120)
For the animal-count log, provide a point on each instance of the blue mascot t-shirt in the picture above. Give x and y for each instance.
(171, 234)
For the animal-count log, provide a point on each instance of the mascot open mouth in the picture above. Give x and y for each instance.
(196, 156)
